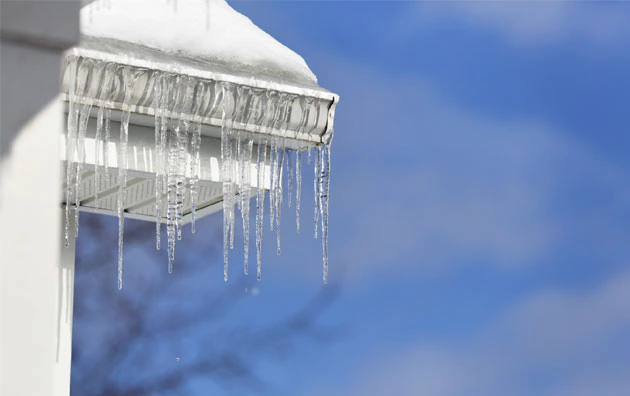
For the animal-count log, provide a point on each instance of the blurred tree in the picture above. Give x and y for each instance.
(162, 333)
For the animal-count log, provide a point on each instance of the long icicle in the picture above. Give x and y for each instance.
(99, 146)
(91, 88)
(162, 149)
(158, 155)
(195, 165)
(298, 187)
(251, 110)
(268, 119)
(316, 187)
(171, 197)
(260, 202)
(273, 153)
(177, 135)
(183, 150)
(279, 196)
(240, 157)
(237, 164)
(324, 189)
(172, 176)
(290, 178)
(108, 134)
(276, 110)
(258, 194)
(237, 159)
(246, 192)
(234, 144)
(305, 105)
(129, 81)
(73, 114)
(227, 108)
(283, 123)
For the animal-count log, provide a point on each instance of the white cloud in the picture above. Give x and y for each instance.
(574, 336)
(537, 22)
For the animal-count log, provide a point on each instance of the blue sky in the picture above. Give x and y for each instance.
(479, 203)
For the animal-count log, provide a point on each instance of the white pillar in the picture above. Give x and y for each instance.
(35, 274)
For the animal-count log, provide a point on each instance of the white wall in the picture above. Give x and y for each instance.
(35, 311)
(35, 314)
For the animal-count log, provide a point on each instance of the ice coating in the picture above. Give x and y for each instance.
(209, 29)
(253, 162)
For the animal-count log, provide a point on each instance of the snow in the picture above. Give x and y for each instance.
(209, 29)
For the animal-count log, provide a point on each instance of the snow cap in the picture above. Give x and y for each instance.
(208, 29)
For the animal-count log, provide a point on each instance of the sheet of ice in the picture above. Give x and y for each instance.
(209, 29)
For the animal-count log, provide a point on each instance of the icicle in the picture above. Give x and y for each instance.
(239, 164)
(84, 116)
(158, 157)
(249, 102)
(171, 197)
(279, 196)
(260, 201)
(316, 188)
(274, 108)
(182, 145)
(91, 85)
(129, 81)
(173, 178)
(245, 199)
(274, 182)
(238, 172)
(262, 176)
(290, 179)
(259, 114)
(235, 164)
(238, 159)
(99, 146)
(324, 188)
(164, 154)
(228, 108)
(298, 188)
(108, 134)
(180, 82)
(305, 103)
(195, 166)
(241, 143)
(73, 114)
(275, 194)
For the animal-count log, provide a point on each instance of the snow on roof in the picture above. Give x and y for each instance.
(209, 29)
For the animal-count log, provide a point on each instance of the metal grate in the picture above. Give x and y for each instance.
(101, 197)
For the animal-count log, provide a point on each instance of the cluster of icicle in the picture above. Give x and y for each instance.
(180, 104)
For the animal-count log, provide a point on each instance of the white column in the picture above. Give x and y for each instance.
(35, 274)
